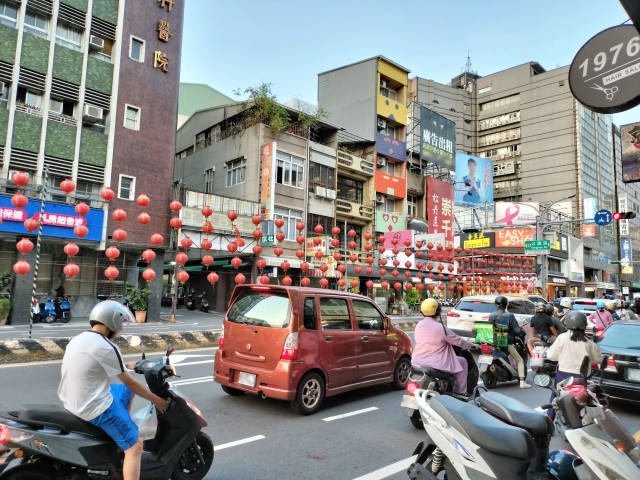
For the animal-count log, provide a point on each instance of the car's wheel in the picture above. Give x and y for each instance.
(28, 472)
(416, 420)
(194, 466)
(234, 392)
(50, 318)
(401, 374)
(489, 380)
(309, 395)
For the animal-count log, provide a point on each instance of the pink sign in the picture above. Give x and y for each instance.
(13, 214)
(56, 220)
(401, 235)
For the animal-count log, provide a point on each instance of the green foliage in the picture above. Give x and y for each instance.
(5, 306)
(138, 298)
(411, 296)
(5, 284)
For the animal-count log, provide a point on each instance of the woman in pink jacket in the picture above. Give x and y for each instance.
(434, 347)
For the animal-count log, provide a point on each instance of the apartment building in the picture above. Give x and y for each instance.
(89, 92)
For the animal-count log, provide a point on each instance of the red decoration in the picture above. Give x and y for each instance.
(408, 286)
(240, 242)
(335, 231)
(20, 179)
(71, 269)
(300, 239)
(144, 218)
(119, 235)
(285, 265)
(305, 282)
(176, 206)
(304, 266)
(261, 263)
(207, 227)
(148, 274)
(397, 285)
(182, 276)
(257, 233)
(182, 258)
(24, 246)
(232, 215)
(318, 229)
(71, 249)
(369, 283)
(286, 280)
(107, 194)
(264, 280)
(357, 269)
(324, 283)
(420, 286)
(207, 211)
(157, 239)
(342, 283)
(280, 236)
(240, 279)
(352, 233)
(32, 224)
(148, 255)
(111, 272)
(82, 209)
(368, 236)
(112, 253)
(175, 223)
(79, 230)
(384, 284)
(319, 254)
(256, 220)
(236, 262)
(19, 201)
(143, 201)
(67, 186)
(300, 226)
(186, 242)
(278, 222)
(278, 251)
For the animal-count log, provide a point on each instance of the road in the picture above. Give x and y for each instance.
(264, 439)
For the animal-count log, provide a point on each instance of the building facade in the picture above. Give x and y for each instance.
(90, 92)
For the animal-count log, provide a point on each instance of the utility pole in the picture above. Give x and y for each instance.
(43, 197)
(544, 267)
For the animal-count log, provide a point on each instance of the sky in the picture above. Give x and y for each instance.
(241, 43)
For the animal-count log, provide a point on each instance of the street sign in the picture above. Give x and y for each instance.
(268, 240)
(602, 74)
(603, 217)
(537, 247)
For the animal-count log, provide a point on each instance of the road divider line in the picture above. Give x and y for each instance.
(178, 382)
(350, 414)
(389, 470)
(238, 442)
(191, 383)
(179, 364)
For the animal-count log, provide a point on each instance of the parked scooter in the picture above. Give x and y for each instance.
(191, 304)
(435, 380)
(202, 302)
(46, 441)
(495, 363)
(57, 309)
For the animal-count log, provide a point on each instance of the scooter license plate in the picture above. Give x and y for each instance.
(485, 360)
(248, 379)
(409, 401)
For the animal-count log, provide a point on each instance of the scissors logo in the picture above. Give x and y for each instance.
(609, 92)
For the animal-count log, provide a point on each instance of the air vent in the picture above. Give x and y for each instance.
(42, 6)
(103, 29)
(23, 160)
(90, 173)
(98, 99)
(71, 16)
(59, 166)
(6, 72)
(65, 90)
(31, 79)
(1, 156)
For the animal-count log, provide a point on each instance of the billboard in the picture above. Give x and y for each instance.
(522, 213)
(401, 235)
(630, 136)
(437, 139)
(626, 255)
(474, 180)
(590, 208)
(589, 230)
(440, 208)
(268, 181)
(514, 237)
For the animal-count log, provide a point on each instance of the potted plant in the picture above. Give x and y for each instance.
(5, 306)
(138, 301)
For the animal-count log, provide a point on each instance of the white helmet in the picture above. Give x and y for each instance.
(618, 303)
(111, 314)
(566, 303)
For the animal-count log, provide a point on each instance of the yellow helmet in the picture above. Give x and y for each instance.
(429, 307)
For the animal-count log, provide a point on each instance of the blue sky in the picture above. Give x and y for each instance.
(240, 43)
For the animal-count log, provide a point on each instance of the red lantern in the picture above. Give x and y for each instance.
(408, 286)
(261, 263)
(19, 201)
(299, 226)
(280, 236)
(21, 267)
(369, 283)
(176, 206)
(119, 235)
(342, 282)
(207, 211)
(319, 254)
(186, 242)
(240, 279)
(318, 229)
(24, 246)
(175, 223)
(300, 253)
(232, 215)
(157, 239)
(305, 282)
(107, 194)
(257, 233)
(352, 245)
(71, 269)
(286, 281)
(285, 265)
(383, 272)
(397, 285)
(71, 249)
(182, 258)
(357, 269)
(300, 239)
(207, 227)
(79, 230)
(212, 278)
(143, 201)
(278, 251)
(240, 242)
(278, 222)
(112, 253)
(111, 272)
(337, 256)
(324, 283)
(335, 231)
(144, 218)
(32, 224)
(182, 276)
(67, 186)
(384, 284)
(148, 274)
(256, 219)
(148, 255)
(82, 209)
(304, 266)
(20, 179)
(236, 262)
(354, 283)
(206, 245)
(341, 268)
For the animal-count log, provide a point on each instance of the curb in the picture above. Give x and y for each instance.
(44, 349)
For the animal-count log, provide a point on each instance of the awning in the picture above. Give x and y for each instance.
(220, 262)
(316, 272)
(231, 266)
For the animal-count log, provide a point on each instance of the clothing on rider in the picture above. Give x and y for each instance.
(611, 308)
(601, 318)
(502, 317)
(434, 346)
(623, 314)
(91, 359)
(542, 327)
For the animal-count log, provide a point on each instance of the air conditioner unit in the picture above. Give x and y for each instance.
(380, 198)
(382, 123)
(321, 191)
(383, 83)
(96, 43)
(382, 161)
(91, 114)
(331, 194)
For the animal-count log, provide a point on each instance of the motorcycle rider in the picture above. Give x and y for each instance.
(502, 317)
(611, 308)
(570, 348)
(542, 328)
(622, 313)
(566, 305)
(434, 347)
(601, 318)
(89, 362)
(555, 321)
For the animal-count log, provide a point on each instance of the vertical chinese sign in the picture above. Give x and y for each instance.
(268, 180)
(438, 139)
(440, 208)
(160, 59)
(626, 256)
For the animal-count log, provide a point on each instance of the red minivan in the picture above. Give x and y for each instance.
(302, 344)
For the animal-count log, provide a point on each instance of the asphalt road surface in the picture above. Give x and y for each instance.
(358, 435)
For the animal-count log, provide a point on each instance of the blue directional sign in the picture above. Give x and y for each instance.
(602, 217)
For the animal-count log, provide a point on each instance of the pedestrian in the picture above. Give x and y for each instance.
(502, 317)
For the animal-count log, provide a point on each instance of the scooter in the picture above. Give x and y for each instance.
(57, 309)
(495, 363)
(437, 381)
(539, 362)
(202, 302)
(47, 442)
(191, 304)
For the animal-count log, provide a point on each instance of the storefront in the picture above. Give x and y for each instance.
(557, 287)
(598, 289)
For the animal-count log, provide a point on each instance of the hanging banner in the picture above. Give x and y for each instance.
(623, 205)
(440, 208)
(521, 213)
(268, 177)
(401, 235)
(474, 180)
(626, 255)
(438, 139)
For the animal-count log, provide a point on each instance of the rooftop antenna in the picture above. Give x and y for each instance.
(468, 67)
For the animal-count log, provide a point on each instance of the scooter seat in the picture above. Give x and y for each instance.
(484, 430)
(59, 416)
(516, 413)
(434, 372)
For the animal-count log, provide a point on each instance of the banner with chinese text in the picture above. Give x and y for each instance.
(437, 139)
(440, 208)
(268, 177)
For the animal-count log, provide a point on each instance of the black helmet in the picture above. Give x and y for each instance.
(550, 310)
(501, 301)
(540, 307)
(575, 320)
(561, 464)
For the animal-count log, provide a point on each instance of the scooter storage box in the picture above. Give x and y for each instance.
(495, 334)
(536, 357)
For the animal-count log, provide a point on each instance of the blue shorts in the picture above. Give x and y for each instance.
(116, 420)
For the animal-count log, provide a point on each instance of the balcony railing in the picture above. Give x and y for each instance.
(29, 109)
(61, 118)
(354, 209)
(354, 163)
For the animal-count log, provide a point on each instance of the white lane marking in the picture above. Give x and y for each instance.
(177, 358)
(350, 414)
(191, 383)
(238, 442)
(188, 381)
(389, 470)
(194, 363)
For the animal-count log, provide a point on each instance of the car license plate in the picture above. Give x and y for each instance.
(633, 374)
(248, 379)
(485, 359)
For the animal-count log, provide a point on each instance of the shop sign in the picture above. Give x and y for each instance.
(588, 230)
(635, 284)
(268, 181)
(561, 281)
(323, 247)
(622, 207)
(483, 242)
(268, 240)
(625, 290)
(513, 237)
(401, 257)
(427, 238)
(401, 235)
(440, 208)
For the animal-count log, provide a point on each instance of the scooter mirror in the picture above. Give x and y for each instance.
(134, 341)
(542, 380)
(170, 349)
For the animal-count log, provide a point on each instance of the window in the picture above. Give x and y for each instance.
(368, 316)
(386, 205)
(345, 239)
(4, 100)
(8, 14)
(136, 49)
(388, 167)
(68, 36)
(517, 308)
(127, 187)
(350, 189)
(335, 314)
(36, 24)
(29, 98)
(290, 217)
(208, 180)
(322, 175)
(62, 107)
(555, 265)
(131, 117)
(326, 222)
(99, 125)
(263, 309)
(235, 172)
(484, 90)
(502, 152)
(412, 205)
(499, 120)
(498, 137)
(290, 170)
(386, 91)
(467, 107)
(310, 321)
(500, 102)
(105, 53)
(388, 130)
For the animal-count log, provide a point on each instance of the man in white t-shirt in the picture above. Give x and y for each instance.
(90, 361)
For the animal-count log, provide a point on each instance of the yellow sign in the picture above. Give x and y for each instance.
(165, 3)
(478, 243)
(164, 30)
(160, 60)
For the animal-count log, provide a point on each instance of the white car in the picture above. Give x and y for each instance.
(462, 318)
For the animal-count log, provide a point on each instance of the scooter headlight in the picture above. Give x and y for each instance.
(194, 408)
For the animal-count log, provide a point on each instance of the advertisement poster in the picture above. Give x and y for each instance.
(440, 208)
(437, 139)
(268, 181)
(590, 208)
(401, 235)
(523, 213)
(323, 246)
(630, 136)
(626, 255)
(513, 237)
(589, 230)
(474, 180)
(427, 238)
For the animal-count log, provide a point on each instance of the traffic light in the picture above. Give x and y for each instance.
(623, 215)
